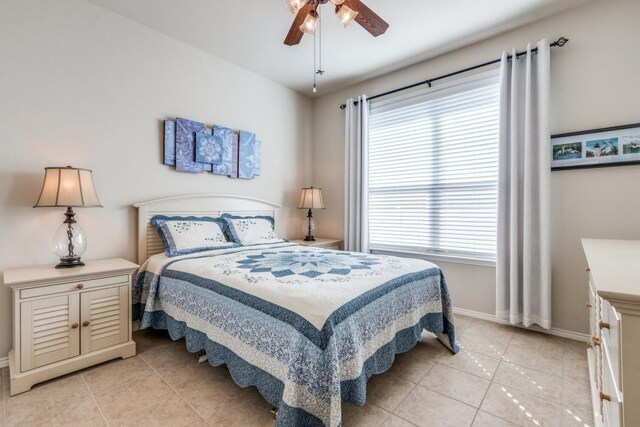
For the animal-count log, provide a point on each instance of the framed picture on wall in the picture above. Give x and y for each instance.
(614, 146)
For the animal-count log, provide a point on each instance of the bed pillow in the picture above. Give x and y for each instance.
(187, 235)
(251, 230)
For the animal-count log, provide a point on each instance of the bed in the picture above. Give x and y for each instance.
(306, 326)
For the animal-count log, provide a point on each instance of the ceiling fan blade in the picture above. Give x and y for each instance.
(295, 35)
(367, 18)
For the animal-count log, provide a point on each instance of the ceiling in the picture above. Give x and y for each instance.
(250, 33)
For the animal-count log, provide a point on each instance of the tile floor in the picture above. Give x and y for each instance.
(501, 377)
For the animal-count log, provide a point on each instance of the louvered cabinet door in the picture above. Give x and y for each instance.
(49, 331)
(104, 318)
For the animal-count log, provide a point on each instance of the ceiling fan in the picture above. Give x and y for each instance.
(306, 17)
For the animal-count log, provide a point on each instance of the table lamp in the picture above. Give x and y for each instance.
(310, 198)
(71, 188)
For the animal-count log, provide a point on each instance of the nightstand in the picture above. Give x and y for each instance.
(68, 319)
(320, 242)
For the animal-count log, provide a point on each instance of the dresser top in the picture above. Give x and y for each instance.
(615, 268)
(45, 273)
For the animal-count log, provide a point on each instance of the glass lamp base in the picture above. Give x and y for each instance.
(70, 263)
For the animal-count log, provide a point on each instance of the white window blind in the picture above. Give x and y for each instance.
(433, 171)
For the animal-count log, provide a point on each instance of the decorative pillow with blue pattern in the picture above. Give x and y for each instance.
(251, 230)
(187, 235)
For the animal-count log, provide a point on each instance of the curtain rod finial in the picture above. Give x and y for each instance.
(561, 41)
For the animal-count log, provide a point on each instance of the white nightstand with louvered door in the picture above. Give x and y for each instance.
(68, 319)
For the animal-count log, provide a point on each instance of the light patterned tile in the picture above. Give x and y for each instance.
(520, 408)
(472, 363)
(181, 368)
(462, 323)
(575, 349)
(430, 349)
(150, 339)
(479, 344)
(576, 368)
(576, 394)
(174, 412)
(411, 366)
(491, 330)
(531, 357)
(222, 402)
(424, 407)
(363, 416)
(536, 383)
(549, 345)
(458, 385)
(65, 401)
(114, 375)
(387, 391)
(577, 417)
(124, 404)
(395, 421)
(484, 419)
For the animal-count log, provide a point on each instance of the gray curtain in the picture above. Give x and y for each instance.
(523, 267)
(356, 197)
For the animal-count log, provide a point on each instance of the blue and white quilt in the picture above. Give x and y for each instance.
(306, 326)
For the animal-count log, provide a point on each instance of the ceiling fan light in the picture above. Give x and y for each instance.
(309, 25)
(294, 5)
(346, 14)
(337, 2)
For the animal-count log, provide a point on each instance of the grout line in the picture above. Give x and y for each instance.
(94, 399)
(174, 390)
(502, 358)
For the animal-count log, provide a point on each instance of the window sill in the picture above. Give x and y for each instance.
(436, 257)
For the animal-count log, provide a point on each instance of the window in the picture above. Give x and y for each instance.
(433, 170)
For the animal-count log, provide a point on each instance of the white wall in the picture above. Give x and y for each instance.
(595, 84)
(82, 86)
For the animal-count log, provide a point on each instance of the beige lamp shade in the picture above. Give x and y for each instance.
(68, 187)
(311, 198)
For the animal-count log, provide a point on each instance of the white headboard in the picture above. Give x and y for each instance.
(212, 205)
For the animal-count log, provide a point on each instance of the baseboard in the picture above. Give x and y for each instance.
(4, 362)
(553, 331)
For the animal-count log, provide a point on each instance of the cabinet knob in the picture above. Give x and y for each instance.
(596, 341)
(587, 269)
(589, 305)
(80, 286)
(605, 396)
(74, 326)
(604, 325)
(85, 323)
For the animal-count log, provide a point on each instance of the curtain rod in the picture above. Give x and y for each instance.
(559, 43)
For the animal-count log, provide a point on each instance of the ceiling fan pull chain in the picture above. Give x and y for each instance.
(315, 75)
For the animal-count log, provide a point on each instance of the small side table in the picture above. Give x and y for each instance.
(65, 320)
(321, 242)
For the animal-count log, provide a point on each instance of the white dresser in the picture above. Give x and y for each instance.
(614, 354)
(68, 319)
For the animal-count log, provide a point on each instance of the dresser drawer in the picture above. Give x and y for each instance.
(610, 328)
(73, 286)
(611, 398)
(611, 360)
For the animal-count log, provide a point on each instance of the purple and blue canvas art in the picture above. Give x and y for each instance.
(185, 146)
(169, 142)
(225, 136)
(208, 149)
(192, 147)
(248, 161)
